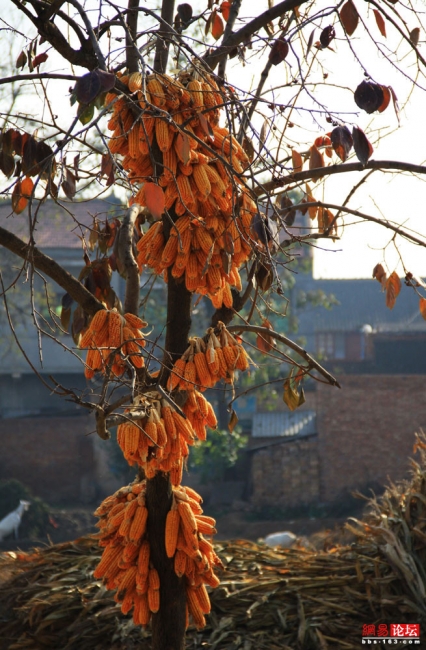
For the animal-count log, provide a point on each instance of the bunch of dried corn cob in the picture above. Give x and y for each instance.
(194, 556)
(160, 439)
(207, 244)
(125, 563)
(111, 339)
(203, 364)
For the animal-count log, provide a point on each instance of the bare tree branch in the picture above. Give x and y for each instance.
(290, 344)
(163, 43)
(320, 172)
(127, 259)
(212, 59)
(55, 271)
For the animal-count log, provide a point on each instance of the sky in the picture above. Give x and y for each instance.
(395, 197)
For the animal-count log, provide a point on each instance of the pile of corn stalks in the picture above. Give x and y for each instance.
(268, 599)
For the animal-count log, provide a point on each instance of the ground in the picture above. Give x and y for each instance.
(70, 523)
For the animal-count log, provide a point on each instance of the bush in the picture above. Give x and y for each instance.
(215, 455)
(35, 520)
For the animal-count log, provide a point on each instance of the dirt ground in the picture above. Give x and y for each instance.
(71, 523)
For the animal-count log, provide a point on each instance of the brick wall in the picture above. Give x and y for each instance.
(52, 456)
(365, 430)
(286, 475)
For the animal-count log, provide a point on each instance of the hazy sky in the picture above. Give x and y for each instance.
(395, 197)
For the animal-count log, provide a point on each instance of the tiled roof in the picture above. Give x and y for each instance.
(360, 302)
(273, 424)
(57, 226)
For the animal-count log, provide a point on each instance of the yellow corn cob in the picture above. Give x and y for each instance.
(203, 598)
(172, 529)
(204, 239)
(187, 517)
(114, 330)
(142, 582)
(195, 608)
(205, 525)
(161, 434)
(214, 279)
(184, 187)
(180, 563)
(163, 135)
(153, 600)
(170, 162)
(110, 558)
(128, 581)
(176, 474)
(230, 356)
(130, 553)
(168, 421)
(138, 527)
(194, 87)
(150, 429)
(131, 440)
(135, 81)
(190, 375)
(176, 374)
(227, 296)
(156, 91)
(201, 179)
(133, 140)
(143, 558)
(211, 420)
(208, 96)
(171, 194)
(242, 362)
(203, 375)
(144, 614)
(170, 250)
(186, 170)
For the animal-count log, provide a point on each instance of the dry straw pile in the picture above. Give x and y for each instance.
(293, 599)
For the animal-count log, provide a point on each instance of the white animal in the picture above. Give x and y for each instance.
(286, 539)
(10, 523)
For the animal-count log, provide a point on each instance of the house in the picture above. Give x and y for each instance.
(48, 442)
(360, 436)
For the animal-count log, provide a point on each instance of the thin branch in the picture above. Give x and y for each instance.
(127, 259)
(264, 331)
(320, 172)
(233, 15)
(213, 58)
(132, 58)
(47, 265)
(163, 43)
(362, 215)
(42, 75)
(94, 41)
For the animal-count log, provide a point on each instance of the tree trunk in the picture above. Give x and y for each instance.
(168, 625)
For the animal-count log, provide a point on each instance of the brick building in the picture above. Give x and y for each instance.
(362, 435)
(47, 442)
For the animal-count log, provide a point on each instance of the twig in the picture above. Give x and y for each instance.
(320, 172)
(265, 331)
(127, 259)
(233, 15)
(55, 271)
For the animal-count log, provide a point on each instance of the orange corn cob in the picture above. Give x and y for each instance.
(194, 608)
(157, 93)
(153, 600)
(163, 135)
(172, 529)
(110, 558)
(137, 529)
(143, 558)
(176, 374)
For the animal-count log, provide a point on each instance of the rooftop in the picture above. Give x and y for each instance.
(360, 302)
(59, 225)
